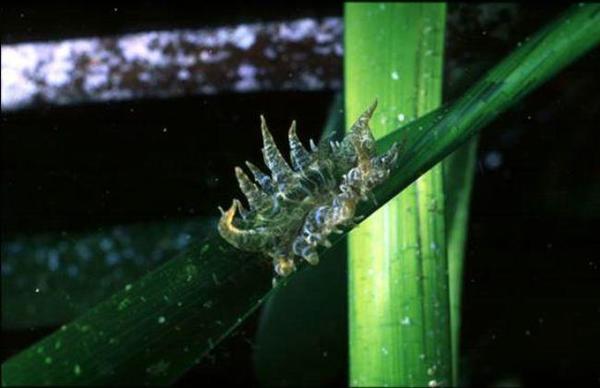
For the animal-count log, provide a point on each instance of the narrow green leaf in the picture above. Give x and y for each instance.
(398, 284)
(155, 329)
(459, 171)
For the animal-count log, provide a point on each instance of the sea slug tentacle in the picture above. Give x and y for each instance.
(296, 208)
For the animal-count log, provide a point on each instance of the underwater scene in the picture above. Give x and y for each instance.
(300, 194)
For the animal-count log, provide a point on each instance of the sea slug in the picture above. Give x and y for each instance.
(295, 208)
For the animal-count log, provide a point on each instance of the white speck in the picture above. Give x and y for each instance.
(247, 74)
(384, 351)
(311, 81)
(401, 117)
(212, 56)
(433, 383)
(164, 130)
(183, 74)
(405, 321)
(136, 47)
(338, 49)
(324, 37)
(37, 290)
(243, 37)
(246, 71)
(298, 30)
(161, 320)
(96, 77)
(493, 160)
(145, 76)
(395, 75)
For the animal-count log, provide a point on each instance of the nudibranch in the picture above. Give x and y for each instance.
(295, 208)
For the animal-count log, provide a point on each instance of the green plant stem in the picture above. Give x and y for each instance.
(398, 284)
(115, 345)
(459, 169)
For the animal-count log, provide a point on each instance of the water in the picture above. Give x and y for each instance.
(84, 174)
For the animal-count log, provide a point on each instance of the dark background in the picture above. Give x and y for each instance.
(531, 294)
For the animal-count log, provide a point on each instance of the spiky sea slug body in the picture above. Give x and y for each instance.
(297, 207)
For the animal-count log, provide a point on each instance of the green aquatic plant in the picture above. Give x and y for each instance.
(156, 328)
(399, 321)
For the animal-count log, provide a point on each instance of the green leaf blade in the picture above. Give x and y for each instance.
(399, 329)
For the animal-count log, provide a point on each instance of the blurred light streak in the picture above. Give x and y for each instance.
(303, 54)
